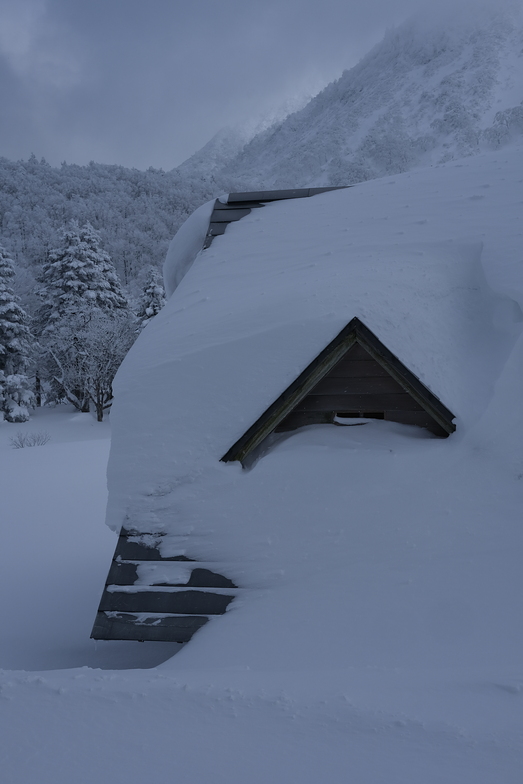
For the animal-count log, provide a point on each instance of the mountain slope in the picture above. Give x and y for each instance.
(428, 93)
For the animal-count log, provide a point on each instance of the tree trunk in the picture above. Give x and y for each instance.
(38, 390)
(99, 404)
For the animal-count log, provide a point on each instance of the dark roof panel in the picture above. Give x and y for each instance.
(296, 193)
(240, 204)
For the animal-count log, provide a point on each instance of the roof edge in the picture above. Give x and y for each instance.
(237, 205)
(280, 195)
(405, 378)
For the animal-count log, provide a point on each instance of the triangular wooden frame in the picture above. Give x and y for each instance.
(354, 332)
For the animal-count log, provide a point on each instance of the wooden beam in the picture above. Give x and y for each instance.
(131, 626)
(368, 385)
(166, 601)
(228, 216)
(365, 402)
(406, 378)
(267, 196)
(289, 399)
(127, 550)
(125, 573)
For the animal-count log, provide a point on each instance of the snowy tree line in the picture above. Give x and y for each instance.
(80, 323)
(136, 212)
(79, 273)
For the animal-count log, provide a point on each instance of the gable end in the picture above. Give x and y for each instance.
(318, 394)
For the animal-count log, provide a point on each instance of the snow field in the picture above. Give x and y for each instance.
(55, 549)
(378, 636)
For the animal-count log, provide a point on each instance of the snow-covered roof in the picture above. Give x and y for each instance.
(254, 309)
(431, 262)
(271, 293)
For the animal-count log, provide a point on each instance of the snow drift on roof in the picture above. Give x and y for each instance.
(404, 255)
(186, 245)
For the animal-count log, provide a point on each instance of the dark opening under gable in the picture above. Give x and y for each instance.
(354, 376)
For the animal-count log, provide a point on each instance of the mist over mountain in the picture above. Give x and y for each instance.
(433, 90)
(439, 87)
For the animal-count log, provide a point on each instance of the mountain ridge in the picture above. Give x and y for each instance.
(422, 96)
(429, 92)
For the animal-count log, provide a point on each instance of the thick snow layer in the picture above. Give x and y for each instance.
(377, 546)
(186, 245)
(282, 292)
(256, 724)
(376, 636)
(431, 261)
(54, 554)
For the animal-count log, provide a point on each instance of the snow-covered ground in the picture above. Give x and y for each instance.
(379, 638)
(55, 549)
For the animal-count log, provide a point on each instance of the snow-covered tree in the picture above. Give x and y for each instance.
(16, 396)
(136, 212)
(88, 351)
(152, 299)
(16, 341)
(76, 273)
(79, 287)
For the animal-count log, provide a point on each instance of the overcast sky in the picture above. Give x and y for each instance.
(148, 82)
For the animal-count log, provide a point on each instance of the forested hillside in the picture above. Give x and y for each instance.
(428, 93)
(425, 95)
(136, 212)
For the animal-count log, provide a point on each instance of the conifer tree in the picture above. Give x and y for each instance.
(79, 286)
(16, 341)
(152, 299)
(76, 275)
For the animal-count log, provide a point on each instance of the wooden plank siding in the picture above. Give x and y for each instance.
(130, 626)
(354, 375)
(173, 600)
(229, 216)
(126, 573)
(357, 385)
(150, 608)
(360, 386)
(216, 228)
(358, 369)
(142, 548)
(356, 352)
(363, 402)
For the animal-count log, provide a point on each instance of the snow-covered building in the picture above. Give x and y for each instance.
(354, 377)
(305, 313)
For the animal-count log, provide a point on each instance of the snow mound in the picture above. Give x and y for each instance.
(186, 245)
(265, 299)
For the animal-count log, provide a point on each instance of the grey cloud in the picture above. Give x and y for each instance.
(147, 83)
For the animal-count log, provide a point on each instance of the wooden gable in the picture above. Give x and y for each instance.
(354, 376)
